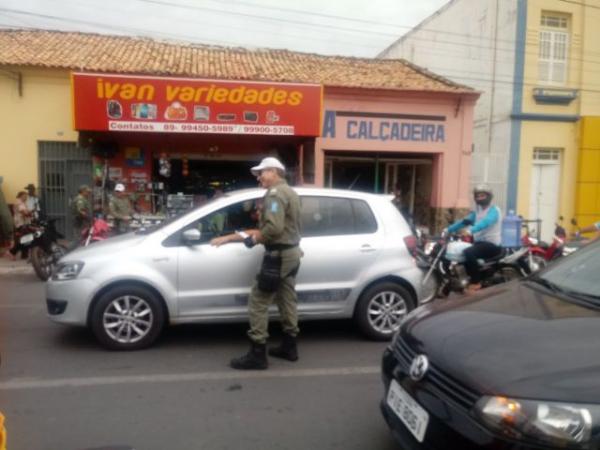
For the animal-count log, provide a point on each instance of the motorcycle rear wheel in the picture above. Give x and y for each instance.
(39, 261)
(510, 274)
(43, 263)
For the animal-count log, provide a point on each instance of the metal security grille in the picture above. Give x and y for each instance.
(63, 167)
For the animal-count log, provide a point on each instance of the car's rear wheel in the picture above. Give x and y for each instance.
(381, 308)
(127, 318)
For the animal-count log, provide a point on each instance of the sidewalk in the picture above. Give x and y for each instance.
(8, 267)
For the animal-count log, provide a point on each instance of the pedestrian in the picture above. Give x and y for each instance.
(593, 228)
(279, 232)
(82, 212)
(485, 225)
(120, 209)
(6, 222)
(33, 202)
(22, 218)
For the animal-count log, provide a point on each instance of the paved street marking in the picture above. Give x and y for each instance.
(28, 383)
(25, 305)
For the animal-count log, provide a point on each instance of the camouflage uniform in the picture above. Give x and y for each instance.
(121, 210)
(82, 215)
(280, 226)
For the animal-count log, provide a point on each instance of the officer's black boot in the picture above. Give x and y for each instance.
(255, 359)
(287, 350)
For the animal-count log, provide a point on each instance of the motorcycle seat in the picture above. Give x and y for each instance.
(494, 259)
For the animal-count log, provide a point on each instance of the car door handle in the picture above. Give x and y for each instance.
(366, 248)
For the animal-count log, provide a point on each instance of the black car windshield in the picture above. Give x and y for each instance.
(578, 274)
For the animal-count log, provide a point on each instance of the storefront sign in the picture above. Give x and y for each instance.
(384, 127)
(181, 105)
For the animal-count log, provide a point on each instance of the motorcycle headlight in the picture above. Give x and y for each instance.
(429, 247)
(67, 270)
(554, 423)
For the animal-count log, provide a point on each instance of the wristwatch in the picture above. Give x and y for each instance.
(248, 241)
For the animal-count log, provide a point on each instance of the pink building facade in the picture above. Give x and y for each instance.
(381, 141)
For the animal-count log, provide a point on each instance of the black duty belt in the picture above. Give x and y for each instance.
(279, 247)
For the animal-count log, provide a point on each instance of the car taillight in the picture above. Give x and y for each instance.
(411, 244)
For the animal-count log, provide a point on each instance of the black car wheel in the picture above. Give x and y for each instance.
(127, 318)
(381, 308)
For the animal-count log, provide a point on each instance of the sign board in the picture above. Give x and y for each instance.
(105, 102)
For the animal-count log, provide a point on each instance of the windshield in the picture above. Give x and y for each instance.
(579, 273)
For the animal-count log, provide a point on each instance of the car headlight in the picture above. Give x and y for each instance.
(555, 423)
(67, 270)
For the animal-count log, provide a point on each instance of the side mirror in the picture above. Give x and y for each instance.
(191, 236)
(574, 221)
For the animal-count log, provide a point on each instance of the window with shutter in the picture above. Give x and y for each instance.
(554, 49)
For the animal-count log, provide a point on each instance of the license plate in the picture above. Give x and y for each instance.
(27, 238)
(408, 410)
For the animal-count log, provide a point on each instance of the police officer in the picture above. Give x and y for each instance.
(120, 208)
(82, 212)
(279, 232)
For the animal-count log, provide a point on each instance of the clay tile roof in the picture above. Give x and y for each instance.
(121, 54)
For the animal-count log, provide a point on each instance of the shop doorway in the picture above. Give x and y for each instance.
(384, 174)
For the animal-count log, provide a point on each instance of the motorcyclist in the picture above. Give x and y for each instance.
(485, 225)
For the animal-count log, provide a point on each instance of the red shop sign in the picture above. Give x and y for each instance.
(186, 105)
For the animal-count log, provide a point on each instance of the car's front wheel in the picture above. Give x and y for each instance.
(381, 308)
(127, 318)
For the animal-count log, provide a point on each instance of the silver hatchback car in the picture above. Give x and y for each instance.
(357, 263)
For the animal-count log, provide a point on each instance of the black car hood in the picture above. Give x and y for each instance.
(517, 340)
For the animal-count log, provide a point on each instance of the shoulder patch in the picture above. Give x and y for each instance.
(274, 207)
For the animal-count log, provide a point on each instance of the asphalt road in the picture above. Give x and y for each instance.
(60, 391)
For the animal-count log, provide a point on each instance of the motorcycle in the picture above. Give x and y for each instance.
(542, 253)
(444, 261)
(41, 239)
(99, 230)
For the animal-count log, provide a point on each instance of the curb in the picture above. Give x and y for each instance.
(16, 270)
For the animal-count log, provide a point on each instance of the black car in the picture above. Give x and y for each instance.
(514, 367)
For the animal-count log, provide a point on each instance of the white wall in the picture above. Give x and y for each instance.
(473, 42)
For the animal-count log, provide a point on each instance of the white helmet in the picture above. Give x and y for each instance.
(483, 189)
(119, 187)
